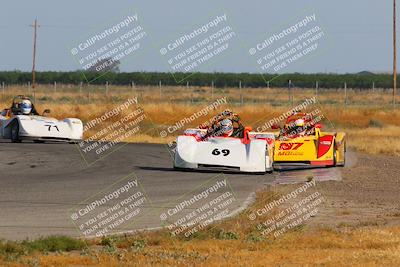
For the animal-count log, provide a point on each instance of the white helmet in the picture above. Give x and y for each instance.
(299, 123)
(226, 127)
(26, 106)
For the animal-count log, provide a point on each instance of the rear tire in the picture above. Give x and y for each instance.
(15, 138)
(344, 156)
(334, 158)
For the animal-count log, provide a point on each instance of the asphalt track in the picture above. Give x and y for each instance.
(41, 183)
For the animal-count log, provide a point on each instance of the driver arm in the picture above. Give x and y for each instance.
(34, 111)
(15, 109)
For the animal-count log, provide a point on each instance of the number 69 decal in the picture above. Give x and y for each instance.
(225, 152)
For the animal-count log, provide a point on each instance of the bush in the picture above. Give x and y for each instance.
(139, 244)
(45, 98)
(55, 243)
(227, 235)
(255, 238)
(110, 244)
(375, 123)
(12, 248)
(65, 99)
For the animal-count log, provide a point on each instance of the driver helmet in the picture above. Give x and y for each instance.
(226, 128)
(300, 127)
(26, 106)
(227, 112)
(299, 123)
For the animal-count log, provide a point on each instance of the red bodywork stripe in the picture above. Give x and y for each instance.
(324, 144)
(322, 163)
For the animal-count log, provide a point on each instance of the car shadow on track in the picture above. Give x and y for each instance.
(26, 143)
(163, 169)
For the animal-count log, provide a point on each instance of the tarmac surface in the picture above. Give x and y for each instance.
(42, 186)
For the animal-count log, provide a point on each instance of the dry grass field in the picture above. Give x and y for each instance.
(234, 242)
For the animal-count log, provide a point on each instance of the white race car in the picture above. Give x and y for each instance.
(17, 126)
(252, 153)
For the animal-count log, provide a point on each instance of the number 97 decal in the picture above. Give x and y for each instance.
(224, 152)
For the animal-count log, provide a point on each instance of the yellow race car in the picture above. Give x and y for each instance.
(301, 142)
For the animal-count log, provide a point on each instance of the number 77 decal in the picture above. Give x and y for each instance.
(290, 146)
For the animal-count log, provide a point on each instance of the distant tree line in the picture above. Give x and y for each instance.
(364, 80)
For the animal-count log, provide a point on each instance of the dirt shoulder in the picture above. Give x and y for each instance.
(367, 195)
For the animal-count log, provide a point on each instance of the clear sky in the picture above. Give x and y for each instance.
(357, 33)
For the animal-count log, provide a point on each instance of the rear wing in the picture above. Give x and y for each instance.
(267, 136)
(340, 139)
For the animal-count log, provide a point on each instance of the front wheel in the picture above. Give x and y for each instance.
(15, 138)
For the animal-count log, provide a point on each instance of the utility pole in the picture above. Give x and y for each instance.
(394, 55)
(35, 26)
(290, 92)
(212, 90)
(241, 96)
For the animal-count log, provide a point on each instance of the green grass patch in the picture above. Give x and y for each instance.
(54, 243)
